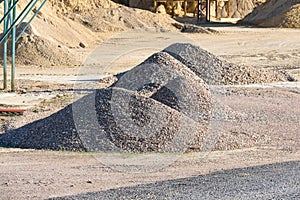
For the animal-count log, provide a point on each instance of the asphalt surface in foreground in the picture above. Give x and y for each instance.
(274, 181)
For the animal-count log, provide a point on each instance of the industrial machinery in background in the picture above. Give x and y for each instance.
(200, 8)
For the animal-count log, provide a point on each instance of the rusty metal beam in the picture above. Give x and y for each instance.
(11, 111)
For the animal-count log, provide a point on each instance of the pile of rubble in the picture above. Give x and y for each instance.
(219, 72)
(162, 105)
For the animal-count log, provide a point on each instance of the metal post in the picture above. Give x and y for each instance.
(228, 9)
(198, 10)
(35, 14)
(28, 11)
(10, 20)
(208, 10)
(5, 49)
(13, 49)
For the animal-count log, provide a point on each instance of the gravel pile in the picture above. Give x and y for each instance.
(165, 79)
(219, 72)
(160, 106)
(111, 119)
(191, 28)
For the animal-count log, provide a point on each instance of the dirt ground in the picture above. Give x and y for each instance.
(272, 109)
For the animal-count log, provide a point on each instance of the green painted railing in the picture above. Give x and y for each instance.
(11, 21)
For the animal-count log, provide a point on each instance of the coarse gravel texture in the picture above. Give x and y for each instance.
(215, 71)
(110, 119)
(133, 122)
(165, 79)
(272, 181)
(56, 132)
(163, 107)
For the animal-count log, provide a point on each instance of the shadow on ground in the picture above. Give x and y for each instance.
(273, 181)
(55, 132)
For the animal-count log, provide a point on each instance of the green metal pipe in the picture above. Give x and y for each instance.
(5, 49)
(13, 49)
(9, 10)
(28, 23)
(10, 19)
(14, 22)
(30, 9)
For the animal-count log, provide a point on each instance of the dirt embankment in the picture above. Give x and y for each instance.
(275, 13)
(64, 27)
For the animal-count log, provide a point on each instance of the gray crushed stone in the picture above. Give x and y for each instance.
(165, 79)
(191, 28)
(160, 105)
(163, 104)
(56, 132)
(215, 71)
(272, 181)
(125, 121)
(168, 81)
(136, 123)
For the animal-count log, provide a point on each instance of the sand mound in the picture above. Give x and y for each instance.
(218, 72)
(237, 9)
(62, 27)
(32, 49)
(105, 15)
(275, 13)
(35, 50)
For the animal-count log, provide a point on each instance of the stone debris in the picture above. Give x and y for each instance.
(165, 79)
(162, 105)
(215, 71)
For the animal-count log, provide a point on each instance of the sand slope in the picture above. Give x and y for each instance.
(275, 13)
(63, 27)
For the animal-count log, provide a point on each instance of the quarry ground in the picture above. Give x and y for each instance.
(270, 111)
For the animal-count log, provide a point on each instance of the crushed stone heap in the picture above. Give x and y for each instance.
(215, 71)
(165, 79)
(110, 119)
(162, 105)
(158, 106)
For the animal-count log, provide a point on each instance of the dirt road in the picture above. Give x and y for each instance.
(260, 47)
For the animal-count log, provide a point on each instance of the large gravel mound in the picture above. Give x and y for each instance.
(110, 119)
(219, 72)
(165, 79)
(160, 106)
(275, 13)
